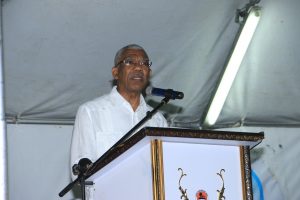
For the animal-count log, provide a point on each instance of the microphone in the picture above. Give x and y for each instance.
(169, 93)
(83, 165)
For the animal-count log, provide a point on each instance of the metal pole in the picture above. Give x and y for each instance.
(3, 151)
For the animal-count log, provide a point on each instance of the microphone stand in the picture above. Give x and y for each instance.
(81, 179)
(82, 176)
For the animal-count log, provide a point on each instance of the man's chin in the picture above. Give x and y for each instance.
(138, 85)
(138, 89)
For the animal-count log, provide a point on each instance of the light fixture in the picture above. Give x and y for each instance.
(251, 17)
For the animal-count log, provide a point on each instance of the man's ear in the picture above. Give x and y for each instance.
(115, 72)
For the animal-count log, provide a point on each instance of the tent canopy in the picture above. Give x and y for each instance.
(59, 54)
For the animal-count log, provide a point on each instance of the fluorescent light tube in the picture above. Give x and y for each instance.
(232, 66)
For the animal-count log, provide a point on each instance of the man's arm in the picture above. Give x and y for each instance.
(83, 139)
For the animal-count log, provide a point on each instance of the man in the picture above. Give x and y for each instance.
(102, 122)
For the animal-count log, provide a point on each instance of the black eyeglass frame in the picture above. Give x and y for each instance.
(130, 61)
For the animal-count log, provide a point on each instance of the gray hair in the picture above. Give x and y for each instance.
(130, 46)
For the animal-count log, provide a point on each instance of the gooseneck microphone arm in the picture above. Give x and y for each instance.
(83, 175)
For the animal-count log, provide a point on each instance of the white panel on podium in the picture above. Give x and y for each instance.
(201, 163)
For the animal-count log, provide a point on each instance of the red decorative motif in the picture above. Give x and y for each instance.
(201, 195)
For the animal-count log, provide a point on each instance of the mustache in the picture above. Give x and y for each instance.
(136, 75)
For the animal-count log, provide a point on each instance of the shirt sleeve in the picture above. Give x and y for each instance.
(83, 143)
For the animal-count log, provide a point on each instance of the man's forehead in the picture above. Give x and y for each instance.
(134, 53)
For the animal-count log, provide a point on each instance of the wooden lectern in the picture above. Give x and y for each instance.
(176, 164)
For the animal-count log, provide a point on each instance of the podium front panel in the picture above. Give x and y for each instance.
(170, 164)
(205, 169)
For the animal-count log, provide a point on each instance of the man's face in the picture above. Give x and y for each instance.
(131, 76)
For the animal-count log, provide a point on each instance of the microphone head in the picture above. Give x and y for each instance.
(180, 95)
(168, 93)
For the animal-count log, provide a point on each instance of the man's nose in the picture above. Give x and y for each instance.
(137, 66)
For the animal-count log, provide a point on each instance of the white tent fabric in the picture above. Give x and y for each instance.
(59, 53)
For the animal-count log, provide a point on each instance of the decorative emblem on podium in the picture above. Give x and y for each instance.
(201, 194)
(221, 192)
(183, 191)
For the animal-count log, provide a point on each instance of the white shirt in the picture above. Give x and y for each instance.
(100, 123)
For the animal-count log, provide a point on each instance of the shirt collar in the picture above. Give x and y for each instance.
(120, 100)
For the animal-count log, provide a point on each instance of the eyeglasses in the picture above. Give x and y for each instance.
(131, 61)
